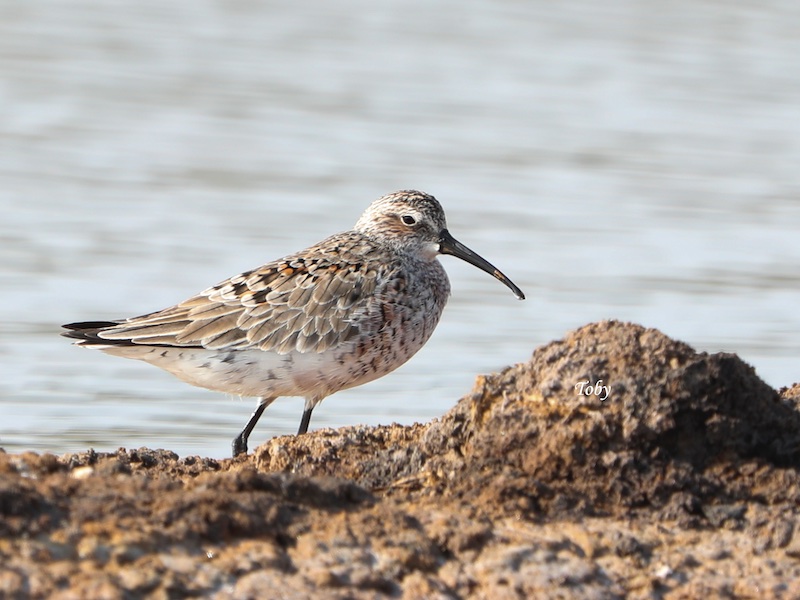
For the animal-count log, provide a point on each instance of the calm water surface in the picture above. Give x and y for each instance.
(630, 160)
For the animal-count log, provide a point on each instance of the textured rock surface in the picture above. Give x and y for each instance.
(683, 482)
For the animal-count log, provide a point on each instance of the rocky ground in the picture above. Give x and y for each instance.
(680, 480)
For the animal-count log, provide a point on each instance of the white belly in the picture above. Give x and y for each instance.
(267, 374)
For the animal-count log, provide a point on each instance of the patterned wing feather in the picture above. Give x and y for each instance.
(308, 302)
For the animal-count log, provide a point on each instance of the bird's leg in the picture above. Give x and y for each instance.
(239, 444)
(310, 404)
(305, 421)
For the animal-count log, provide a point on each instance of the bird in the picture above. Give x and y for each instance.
(341, 313)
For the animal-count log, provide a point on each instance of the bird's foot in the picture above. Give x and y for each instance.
(239, 445)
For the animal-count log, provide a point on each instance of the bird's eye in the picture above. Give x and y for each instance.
(409, 220)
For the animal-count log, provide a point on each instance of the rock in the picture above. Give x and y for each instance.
(615, 463)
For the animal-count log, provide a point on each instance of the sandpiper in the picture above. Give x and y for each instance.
(343, 312)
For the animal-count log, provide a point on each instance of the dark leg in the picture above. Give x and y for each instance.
(240, 441)
(305, 421)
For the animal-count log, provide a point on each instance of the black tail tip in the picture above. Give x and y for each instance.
(87, 325)
(86, 330)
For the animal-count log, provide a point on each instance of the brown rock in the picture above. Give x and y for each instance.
(616, 462)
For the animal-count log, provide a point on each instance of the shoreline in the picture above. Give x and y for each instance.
(617, 462)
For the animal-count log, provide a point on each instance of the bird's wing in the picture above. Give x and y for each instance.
(308, 302)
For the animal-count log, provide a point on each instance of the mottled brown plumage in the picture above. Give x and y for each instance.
(307, 302)
(338, 314)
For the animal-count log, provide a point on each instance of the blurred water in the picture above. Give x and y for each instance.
(635, 160)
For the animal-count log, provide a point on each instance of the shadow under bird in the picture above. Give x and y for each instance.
(341, 313)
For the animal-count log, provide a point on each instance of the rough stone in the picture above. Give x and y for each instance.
(679, 479)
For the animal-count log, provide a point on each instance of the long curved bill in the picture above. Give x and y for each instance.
(450, 245)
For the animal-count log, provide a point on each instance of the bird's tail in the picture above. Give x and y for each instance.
(88, 333)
